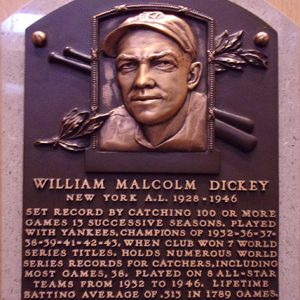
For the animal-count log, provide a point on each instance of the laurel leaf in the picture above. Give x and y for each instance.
(229, 55)
(72, 122)
(231, 61)
(230, 58)
(76, 130)
(91, 124)
(234, 41)
(255, 58)
(45, 142)
(228, 43)
(219, 68)
(221, 42)
(76, 146)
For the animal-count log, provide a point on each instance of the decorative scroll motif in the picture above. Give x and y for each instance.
(76, 130)
(183, 9)
(229, 55)
(121, 8)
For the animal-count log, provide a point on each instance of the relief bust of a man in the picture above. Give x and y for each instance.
(157, 73)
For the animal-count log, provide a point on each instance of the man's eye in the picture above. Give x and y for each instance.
(164, 65)
(127, 66)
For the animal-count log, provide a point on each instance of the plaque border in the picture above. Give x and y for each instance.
(12, 161)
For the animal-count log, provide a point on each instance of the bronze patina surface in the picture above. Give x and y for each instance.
(156, 70)
(169, 185)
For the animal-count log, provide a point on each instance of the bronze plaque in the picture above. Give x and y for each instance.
(151, 153)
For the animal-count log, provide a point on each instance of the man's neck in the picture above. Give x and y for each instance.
(157, 134)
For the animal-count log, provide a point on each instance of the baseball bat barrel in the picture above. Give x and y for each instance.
(237, 121)
(234, 136)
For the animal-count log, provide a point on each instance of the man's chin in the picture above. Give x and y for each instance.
(147, 120)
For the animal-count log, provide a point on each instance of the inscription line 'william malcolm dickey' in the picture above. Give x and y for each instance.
(120, 184)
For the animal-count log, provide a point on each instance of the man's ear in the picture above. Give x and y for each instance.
(194, 75)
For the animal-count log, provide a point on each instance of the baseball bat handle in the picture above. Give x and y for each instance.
(71, 52)
(234, 136)
(56, 58)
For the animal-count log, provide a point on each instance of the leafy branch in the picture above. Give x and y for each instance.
(76, 130)
(229, 54)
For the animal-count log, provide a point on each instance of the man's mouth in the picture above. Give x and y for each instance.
(146, 98)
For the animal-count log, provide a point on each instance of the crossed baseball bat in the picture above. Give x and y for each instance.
(229, 127)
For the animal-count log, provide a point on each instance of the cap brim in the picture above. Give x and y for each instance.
(109, 46)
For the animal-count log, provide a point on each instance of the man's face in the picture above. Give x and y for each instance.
(153, 75)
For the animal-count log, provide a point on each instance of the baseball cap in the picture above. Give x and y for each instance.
(169, 25)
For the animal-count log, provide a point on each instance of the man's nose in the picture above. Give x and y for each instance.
(143, 78)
